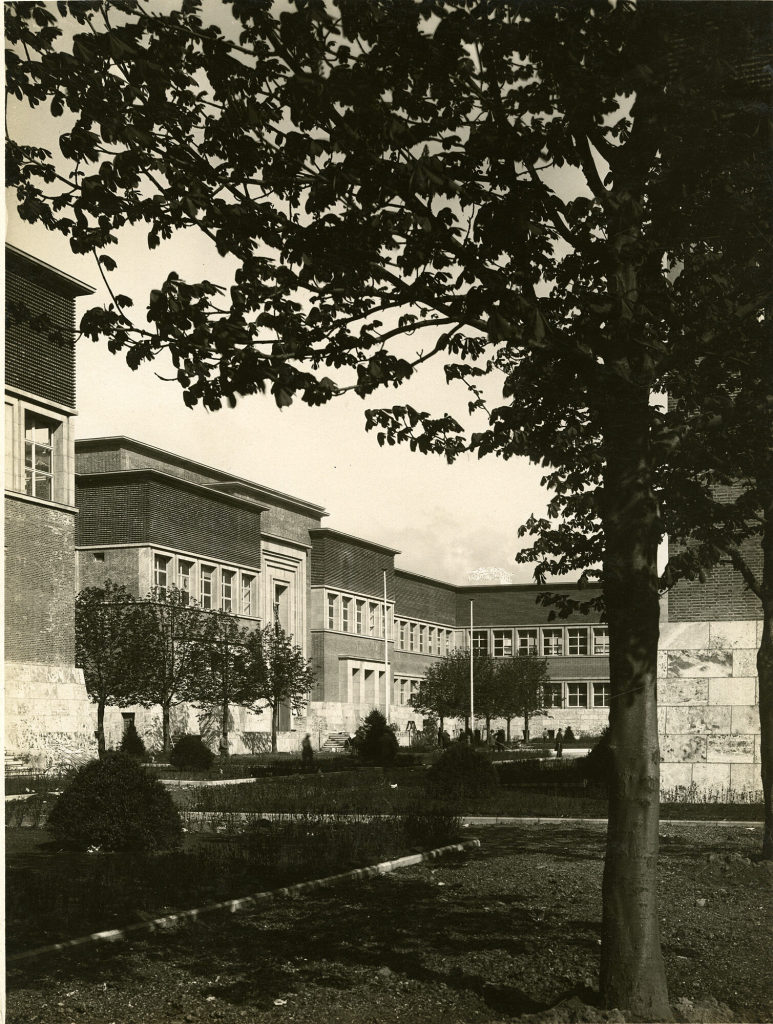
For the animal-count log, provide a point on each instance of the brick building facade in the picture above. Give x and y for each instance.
(47, 712)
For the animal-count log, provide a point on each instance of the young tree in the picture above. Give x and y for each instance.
(219, 681)
(521, 688)
(441, 691)
(173, 626)
(275, 673)
(385, 170)
(110, 644)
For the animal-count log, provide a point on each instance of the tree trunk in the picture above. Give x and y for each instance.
(508, 730)
(165, 726)
(224, 751)
(765, 675)
(488, 728)
(632, 970)
(274, 718)
(526, 727)
(101, 728)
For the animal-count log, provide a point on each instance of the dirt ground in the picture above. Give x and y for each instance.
(506, 932)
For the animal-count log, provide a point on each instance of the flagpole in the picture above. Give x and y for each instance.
(386, 652)
(472, 689)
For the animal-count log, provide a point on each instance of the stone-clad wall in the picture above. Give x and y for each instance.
(708, 707)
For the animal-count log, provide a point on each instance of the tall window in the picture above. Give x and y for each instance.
(184, 573)
(431, 640)
(207, 588)
(551, 693)
(227, 589)
(449, 641)
(403, 690)
(577, 639)
(161, 572)
(601, 693)
(413, 636)
(422, 639)
(38, 457)
(600, 640)
(480, 641)
(552, 642)
(332, 611)
(346, 614)
(360, 617)
(402, 628)
(577, 695)
(503, 643)
(527, 641)
(373, 619)
(248, 590)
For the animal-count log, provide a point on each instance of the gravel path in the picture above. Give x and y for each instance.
(504, 932)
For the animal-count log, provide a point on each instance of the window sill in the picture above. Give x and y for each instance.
(30, 499)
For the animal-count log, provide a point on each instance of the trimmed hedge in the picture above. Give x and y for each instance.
(191, 752)
(461, 771)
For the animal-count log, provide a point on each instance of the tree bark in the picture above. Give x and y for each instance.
(632, 974)
(508, 730)
(101, 749)
(765, 676)
(224, 751)
(525, 727)
(274, 717)
(165, 728)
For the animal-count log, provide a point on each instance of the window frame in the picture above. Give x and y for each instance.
(529, 649)
(554, 690)
(227, 577)
(604, 690)
(332, 611)
(577, 633)
(158, 558)
(500, 636)
(34, 421)
(207, 574)
(600, 633)
(478, 648)
(581, 689)
(550, 633)
(247, 586)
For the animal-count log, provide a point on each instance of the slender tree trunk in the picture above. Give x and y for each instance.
(274, 719)
(101, 749)
(632, 970)
(765, 676)
(165, 728)
(508, 730)
(526, 727)
(224, 751)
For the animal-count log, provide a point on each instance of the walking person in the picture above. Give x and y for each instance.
(307, 754)
(559, 744)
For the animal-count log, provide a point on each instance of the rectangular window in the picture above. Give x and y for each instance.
(449, 641)
(401, 634)
(184, 574)
(503, 643)
(389, 623)
(207, 588)
(577, 695)
(422, 639)
(577, 639)
(360, 617)
(552, 642)
(161, 572)
(601, 695)
(600, 640)
(551, 693)
(414, 687)
(332, 611)
(346, 614)
(480, 641)
(413, 637)
(431, 640)
(403, 690)
(373, 619)
(248, 591)
(227, 590)
(527, 641)
(38, 457)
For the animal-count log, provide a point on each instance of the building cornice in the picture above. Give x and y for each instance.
(131, 475)
(57, 279)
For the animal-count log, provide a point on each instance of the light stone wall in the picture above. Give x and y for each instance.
(49, 719)
(708, 711)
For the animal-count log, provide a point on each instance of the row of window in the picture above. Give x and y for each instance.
(405, 688)
(576, 695)
(549, 641)
(213, 586)
(422, 638)
(357, 615)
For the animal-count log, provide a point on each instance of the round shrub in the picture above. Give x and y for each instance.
(375, 741)
(115, 804)
(191, 753)
(461, 771)
(132, 744)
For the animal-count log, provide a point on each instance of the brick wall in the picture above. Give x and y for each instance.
(134, 509)
(512, 605)
(121, 565)
(723, 595)
(33, 361)
(350, 564)
(40, 584)
(419, 598)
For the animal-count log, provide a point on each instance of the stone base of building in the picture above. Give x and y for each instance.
(49, 718)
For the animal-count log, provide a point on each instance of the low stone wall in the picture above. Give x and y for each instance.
(708, 710)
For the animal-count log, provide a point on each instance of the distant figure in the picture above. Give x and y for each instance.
(568, 735)
(500, 739)
(445, 739)
(440, 737)
(307, 754)
(559, 744)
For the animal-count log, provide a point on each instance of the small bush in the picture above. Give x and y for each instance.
(132, 744)
(115, 804)
(191, 753)
(375, 741)
(461, 771)
(597, 765)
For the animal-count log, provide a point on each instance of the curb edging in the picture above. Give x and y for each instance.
(244, 902)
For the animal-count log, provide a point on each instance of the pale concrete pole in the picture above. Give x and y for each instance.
(472, 688)
(387, 687)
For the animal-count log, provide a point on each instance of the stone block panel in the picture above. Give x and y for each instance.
(685, 748)
(675, 775)
(711, 779)
(730, 749)
(674, 690)
(684, 636)
(724, 635)
(745, 662)
(745, 720)
(703, 720)
(746, 779)
(732, 691)
(700, 663)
